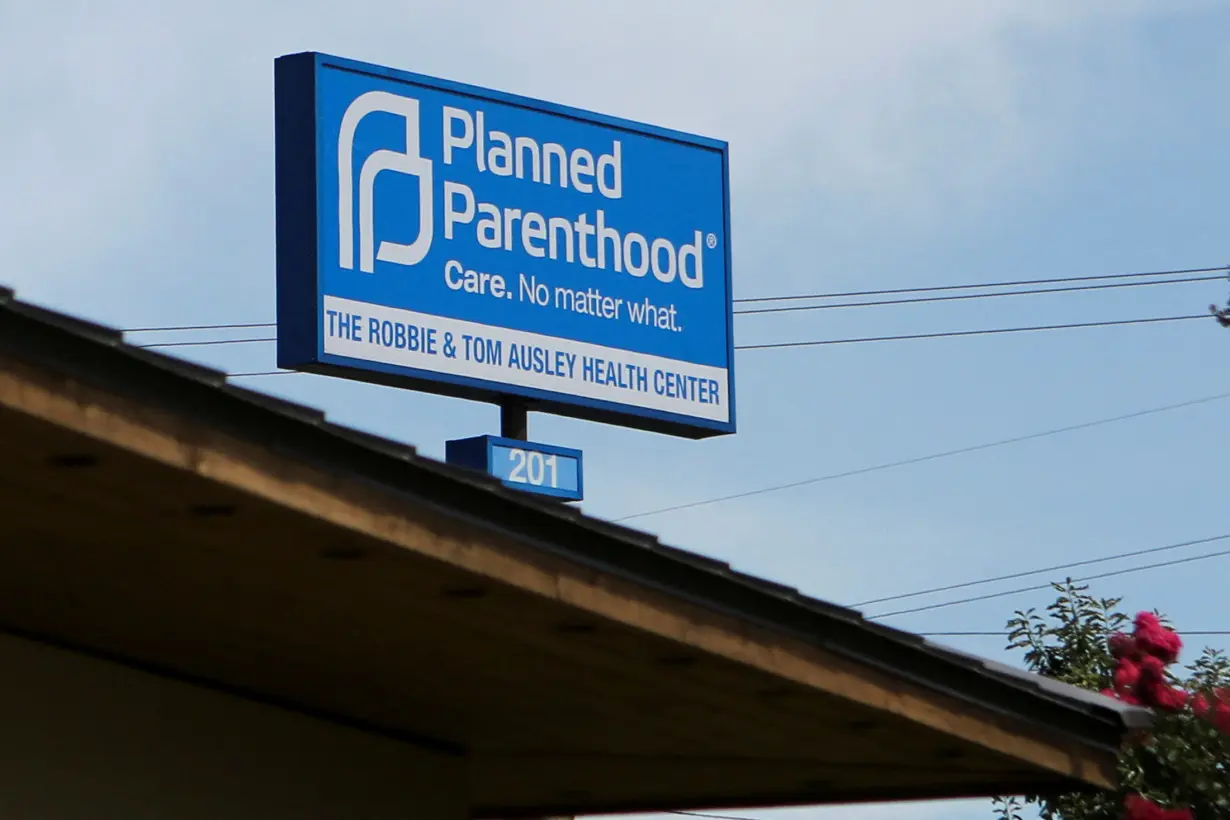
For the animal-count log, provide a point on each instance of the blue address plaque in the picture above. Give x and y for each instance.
(464, 241)
(524, 465)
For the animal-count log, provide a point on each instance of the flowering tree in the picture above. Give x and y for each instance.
(1180, 769)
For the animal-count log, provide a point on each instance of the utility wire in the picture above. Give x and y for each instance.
(1043, 571)
(1021, 282)
(955, 333)
(197, 327)
(859, 293)
(964, 296)
(931, 457)
(815, 343)
(794, 308)
(207, 342)
(1035, 588)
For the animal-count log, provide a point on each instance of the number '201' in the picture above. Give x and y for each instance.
(532, 467)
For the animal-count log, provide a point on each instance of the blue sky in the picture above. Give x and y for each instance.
(873, 145)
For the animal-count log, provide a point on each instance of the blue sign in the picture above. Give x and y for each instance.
(538, 468)
(463, 241)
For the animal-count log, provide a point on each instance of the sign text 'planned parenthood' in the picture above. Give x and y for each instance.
(467, 242)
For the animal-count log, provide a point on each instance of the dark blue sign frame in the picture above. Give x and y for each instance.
(305, 218)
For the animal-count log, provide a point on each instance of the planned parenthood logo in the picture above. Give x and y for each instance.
(586, 238)
(409, 162)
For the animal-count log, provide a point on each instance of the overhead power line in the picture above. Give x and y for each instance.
(253, 373)
(795, 308)
(1018, 283)
(966, 296)
(956, 333)
(930, 457)
(853, 294)
(1041, 571)
(813, 343)
(1008, 592)
(170, 328)
(208, 342)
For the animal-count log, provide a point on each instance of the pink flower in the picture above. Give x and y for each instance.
(1126, 674)
(1145, 683)
(1152, 668)
(1221, 717)
(1166, 697)
(1159, 642)
(1215, 709)
(1154, 639)
(1122, 646)
(1136, 807)
(1146, 620)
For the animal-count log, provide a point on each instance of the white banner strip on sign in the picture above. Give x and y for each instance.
(404, 338)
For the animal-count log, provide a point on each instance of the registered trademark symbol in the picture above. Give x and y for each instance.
(711, 240)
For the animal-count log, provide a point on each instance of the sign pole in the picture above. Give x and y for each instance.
(514, 420)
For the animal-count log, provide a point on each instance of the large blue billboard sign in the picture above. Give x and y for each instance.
(467, 242)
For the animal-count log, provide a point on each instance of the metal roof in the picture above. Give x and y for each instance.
(98, 354)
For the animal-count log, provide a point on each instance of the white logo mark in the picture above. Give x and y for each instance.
(410, 163)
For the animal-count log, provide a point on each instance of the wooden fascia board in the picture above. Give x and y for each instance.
(378, 512)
